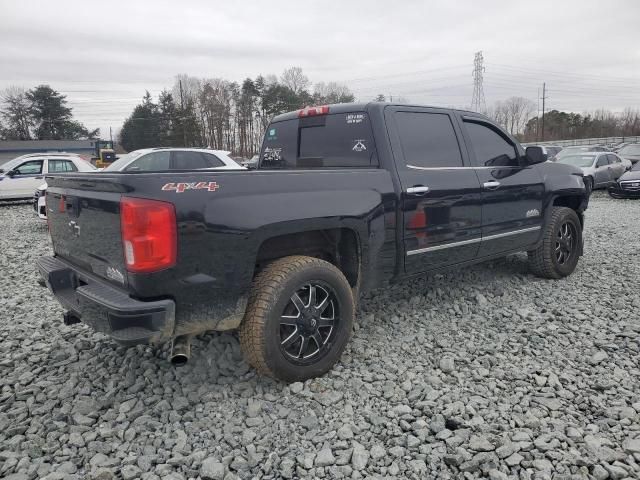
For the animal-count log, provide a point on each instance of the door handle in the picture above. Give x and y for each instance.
(417, 190)
(491, 185)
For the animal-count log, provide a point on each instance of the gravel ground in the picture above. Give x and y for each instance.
(486, 372)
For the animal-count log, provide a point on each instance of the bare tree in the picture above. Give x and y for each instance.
(630, 121)
(294, 79)
(517, 111)
(512, 114)
(16, 113)
(332, 92)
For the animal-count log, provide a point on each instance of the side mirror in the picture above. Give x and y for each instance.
(535, 155)
(10, 173)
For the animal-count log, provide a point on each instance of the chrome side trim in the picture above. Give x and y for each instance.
(471, 241)
(414, 167)
(442, 247)
(515, 232)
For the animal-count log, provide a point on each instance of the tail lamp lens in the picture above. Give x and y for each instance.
(149, 236)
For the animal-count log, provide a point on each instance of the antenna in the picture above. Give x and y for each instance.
(478, 103)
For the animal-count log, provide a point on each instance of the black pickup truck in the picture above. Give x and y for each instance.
(345, 199)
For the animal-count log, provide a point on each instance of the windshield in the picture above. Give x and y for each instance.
(630, 150)
(122, 161)
(5, 167)
(636, 167)
(577, 160)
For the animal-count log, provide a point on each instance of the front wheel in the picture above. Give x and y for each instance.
(558, 253)
(298, 320)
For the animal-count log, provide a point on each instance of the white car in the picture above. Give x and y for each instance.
(157, 159)
(58, 164)
(21, 176)
(162, 159)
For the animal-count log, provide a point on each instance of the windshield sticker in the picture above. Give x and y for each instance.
(271, 134)
(273, 155)
(359, 145)
(355, 118)
(181, 187)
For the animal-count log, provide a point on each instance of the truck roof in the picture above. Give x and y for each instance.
(362, 106)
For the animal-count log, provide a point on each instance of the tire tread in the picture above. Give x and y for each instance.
(540, 260)
(265, 291)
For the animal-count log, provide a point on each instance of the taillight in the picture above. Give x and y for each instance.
(312, 111)
(149, 234)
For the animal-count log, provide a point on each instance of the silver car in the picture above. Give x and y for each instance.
(600, 169)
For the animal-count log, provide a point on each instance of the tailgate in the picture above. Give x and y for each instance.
(84, 222)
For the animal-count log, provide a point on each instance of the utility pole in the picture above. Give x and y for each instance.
(538, 117)
(478, 103)
(544, 97)
(110, 136)
(182, 117)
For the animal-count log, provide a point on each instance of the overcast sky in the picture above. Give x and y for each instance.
(104, 55)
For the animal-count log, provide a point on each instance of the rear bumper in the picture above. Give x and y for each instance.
(106, 308)
(616, 192)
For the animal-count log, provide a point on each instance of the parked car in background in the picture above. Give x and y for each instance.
(551, 151)
(155, 160)
(252, 163)
(618, 146)
(599, 169)
(578, 149)
(21, 176)
(628, 185)
(631, 152)
(162, 159)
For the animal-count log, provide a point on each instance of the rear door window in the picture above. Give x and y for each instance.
(186, 160)
(428, 140)
(329, 141)
(151, 162)
(61, 166)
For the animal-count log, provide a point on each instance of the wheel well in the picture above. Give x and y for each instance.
(571, 201)
(338, 246)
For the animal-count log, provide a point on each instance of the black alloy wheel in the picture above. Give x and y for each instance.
(308, 323)
(565, 243)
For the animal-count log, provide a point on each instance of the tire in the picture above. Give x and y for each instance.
(279, 318)
(558, 253)
(588, 183)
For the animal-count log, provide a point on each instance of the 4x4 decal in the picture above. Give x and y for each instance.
(181, 187)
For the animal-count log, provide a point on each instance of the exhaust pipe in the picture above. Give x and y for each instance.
(69, 318)
(180, 350)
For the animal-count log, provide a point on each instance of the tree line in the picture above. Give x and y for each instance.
(567, 125)
(39, 114)
(225, 115)
(221, 114)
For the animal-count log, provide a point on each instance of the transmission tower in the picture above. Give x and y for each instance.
(477, 101)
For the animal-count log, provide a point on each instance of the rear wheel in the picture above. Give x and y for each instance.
(558, 253)
(298, 320)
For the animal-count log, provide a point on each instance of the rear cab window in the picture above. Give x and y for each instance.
(321, 141)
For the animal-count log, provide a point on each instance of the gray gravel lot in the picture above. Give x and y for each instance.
(485, 372)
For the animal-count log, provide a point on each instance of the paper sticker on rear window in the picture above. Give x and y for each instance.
(355, 118)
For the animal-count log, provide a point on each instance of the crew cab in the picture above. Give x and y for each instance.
(346, 198)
